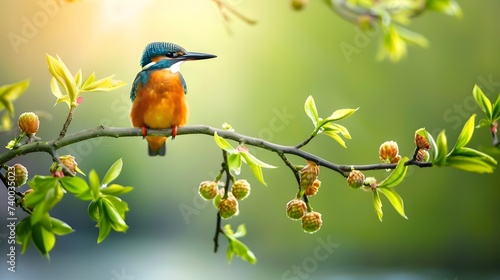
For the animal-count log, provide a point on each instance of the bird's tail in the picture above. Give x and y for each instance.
(157, 145)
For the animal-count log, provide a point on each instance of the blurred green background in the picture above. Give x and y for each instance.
(258, 84)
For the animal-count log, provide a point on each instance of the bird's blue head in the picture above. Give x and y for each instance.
(169, 54)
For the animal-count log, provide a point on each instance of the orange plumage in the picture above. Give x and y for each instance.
(159, 104)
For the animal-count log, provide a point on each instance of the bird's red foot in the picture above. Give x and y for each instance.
(174, 132)
(144, 131)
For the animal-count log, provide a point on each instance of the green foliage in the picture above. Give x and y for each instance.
(235, 246)
(386, 188)
(8, 94)
(462, 157)
(491, 110)
(327, 126)
(237, 156)
(42, 233)
(74, 86)
(105, 207)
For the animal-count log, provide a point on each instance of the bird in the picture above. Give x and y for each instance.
(158, 92)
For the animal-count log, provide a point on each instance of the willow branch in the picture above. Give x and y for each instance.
(116, 132)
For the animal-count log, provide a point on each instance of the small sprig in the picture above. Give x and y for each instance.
(74, 85)
(491, 113)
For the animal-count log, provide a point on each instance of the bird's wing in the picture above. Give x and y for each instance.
(183, 82)
(141, 78)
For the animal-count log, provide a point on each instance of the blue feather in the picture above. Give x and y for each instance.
(159, 49)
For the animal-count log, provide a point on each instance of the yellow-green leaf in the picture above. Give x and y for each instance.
(256, 169)
(470, 164)
(377, 204)
(442, 149)
(113, 172)
(78, 78)
(396, 176)
(483, 101)
(43, 239)
(6, 122)
(59, 71)
(10, 92)
(340, 114)
(394, 199)
(54, 87)
(104, 84)
(335, 137)
(94, 184)
(466, 133)
(310, 109)
(223, 144)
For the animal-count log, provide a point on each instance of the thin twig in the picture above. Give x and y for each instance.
(218, 227)
(223, 5)
(305, 142)
(67, 123)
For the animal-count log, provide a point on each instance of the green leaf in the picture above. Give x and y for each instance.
(241, 250)
(248, 157)
(311, 111)
(335, 137)
(256, 166)
(470, 164)
(104, 229)
(78, 78)
(394, 199)
(234, 162)
(377, 204)
(76, 186)
(94, 184)
(116, 189)
(449, 7)
(59, 71)
(338, 115)
(496, 110)
(113, 216)
(483, 101)
(442, 149)
(240, 231)
(113, 172)
(484, 123)
(469, 152)
(392, 46)
(59, 227)
(396, 176)
(120, 205)
(6, 123)
(412, 37)
(23, 233)
(216, 201)
(104, 84)
(93, 210)
(342, 129)
(47, 193)
(236, 247)
(466, 134)
(10, 92)
(223, 144)
(43, 239)
(90, 79)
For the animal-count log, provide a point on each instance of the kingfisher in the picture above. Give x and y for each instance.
(158, 92)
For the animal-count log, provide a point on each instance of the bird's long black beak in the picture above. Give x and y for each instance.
(197, 56)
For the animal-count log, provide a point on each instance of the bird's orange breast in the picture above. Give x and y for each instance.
(161, 103)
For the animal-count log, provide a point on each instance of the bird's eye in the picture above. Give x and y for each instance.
(174, 54)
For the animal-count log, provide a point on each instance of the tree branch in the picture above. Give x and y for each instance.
(116, 132)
